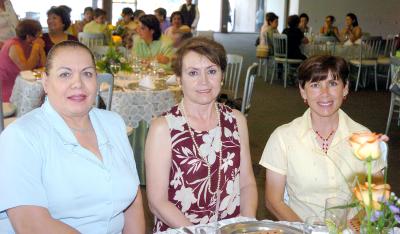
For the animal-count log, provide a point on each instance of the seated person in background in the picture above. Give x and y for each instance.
(24, 52)
(329, 29)
(161, 15)
(98, 24)
(352, 32)
(87, 17)
(295, 37)
(303, 25)
(176, 23)
(267, 31)
(149, 44)
(126, 27)
(136, 16)
(75, 172)
(197, 155)
(58, 21)
(311, 157)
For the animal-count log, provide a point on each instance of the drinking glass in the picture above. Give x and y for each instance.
(336, 211)
(314, 224)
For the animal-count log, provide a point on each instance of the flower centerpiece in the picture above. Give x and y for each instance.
(380, 207)
(113, 60)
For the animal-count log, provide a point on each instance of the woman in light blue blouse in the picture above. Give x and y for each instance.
(67, 167)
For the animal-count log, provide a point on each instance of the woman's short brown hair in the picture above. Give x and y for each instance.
(318, 67)
(28, 27)
(212, 50)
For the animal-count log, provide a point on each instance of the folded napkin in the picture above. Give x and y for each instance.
(28, 75)
(147, 83)
(172, 80)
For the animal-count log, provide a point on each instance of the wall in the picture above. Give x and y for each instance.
(377, 17)
(279, 8)
(245, 15)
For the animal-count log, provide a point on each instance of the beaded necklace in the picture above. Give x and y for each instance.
(325, 143)
(204, 156)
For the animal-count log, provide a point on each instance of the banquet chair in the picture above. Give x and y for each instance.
(91, 39)
(368, 57)
(384, 59)
(232, 75)
(251, 74)
(394, 98)
(281, 56)
(109, 80)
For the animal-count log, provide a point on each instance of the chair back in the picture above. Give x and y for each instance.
(91, 39)
(232, 74)
(280, 45)
(370, 47)
(395, 69)
(108, 79)
(390, 46)
(251, 74)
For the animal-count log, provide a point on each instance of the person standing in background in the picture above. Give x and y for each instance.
(191, 14)
(8, 21)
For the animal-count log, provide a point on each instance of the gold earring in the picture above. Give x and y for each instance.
(222, 83)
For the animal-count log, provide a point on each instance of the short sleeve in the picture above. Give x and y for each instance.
(274, 156)
(20, 171)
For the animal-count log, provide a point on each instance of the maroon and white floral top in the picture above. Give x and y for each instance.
(188, 187)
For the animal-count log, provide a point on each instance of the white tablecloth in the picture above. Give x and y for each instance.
(26, 95)
(132, 105)
(137, 105)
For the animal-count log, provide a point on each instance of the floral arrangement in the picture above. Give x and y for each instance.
(381, 207)
(113, 60)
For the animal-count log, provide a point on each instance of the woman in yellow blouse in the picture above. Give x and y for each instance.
(311, 157)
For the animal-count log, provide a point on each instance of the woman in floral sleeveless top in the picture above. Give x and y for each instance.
(197, 155)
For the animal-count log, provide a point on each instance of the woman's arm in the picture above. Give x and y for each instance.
(274, 192)
(355, 34)
(248, 187)
(134, 216)
(158, 166)
(17, 55)
(22, 221)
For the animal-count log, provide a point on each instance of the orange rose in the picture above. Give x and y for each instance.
(380, 193)
(366, 145)
(116, 39)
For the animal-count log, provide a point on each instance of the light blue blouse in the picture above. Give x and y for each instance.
(42, 164)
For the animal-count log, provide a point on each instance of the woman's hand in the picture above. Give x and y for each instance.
(162, 58)
(39, 42)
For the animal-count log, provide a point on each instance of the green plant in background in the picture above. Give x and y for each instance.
(113, 61)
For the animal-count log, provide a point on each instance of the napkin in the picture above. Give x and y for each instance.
(172, 80)
(147, 83)
(28, 75)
